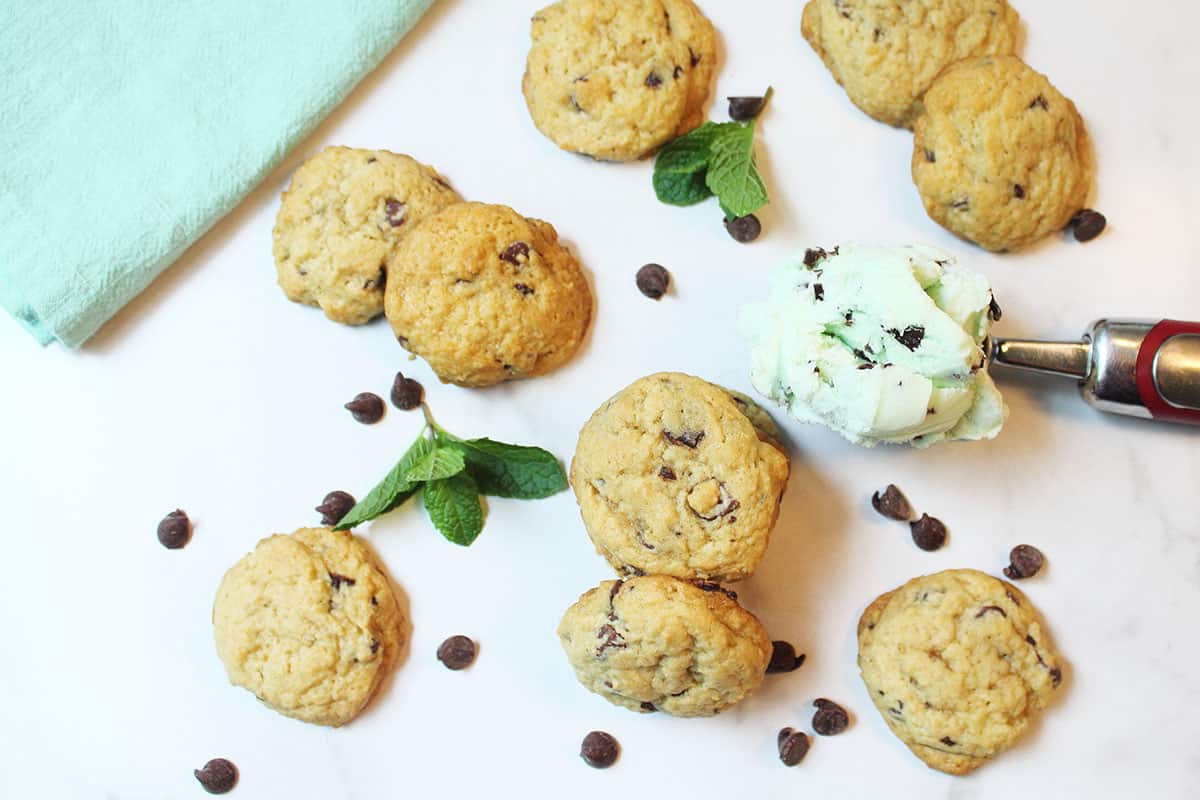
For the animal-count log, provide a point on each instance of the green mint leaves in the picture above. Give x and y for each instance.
(715, 159)
(454, 474)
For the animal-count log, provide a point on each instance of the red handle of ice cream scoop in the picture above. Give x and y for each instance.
(1168, 371)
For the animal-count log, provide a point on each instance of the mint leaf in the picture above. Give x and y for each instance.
(510, 470)
(390, 492)
(680, 189)
(733, 173)
(440, 462)
(454, 508)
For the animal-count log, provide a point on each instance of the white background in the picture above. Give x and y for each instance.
(214, 394)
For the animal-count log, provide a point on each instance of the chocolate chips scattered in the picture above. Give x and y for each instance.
(338, 581)
(830, 719)
(744, 109)
(818, 292)
(689, 439)
(666, 473)
(743, 229)
(994, 312)
(1040, 101)
(793, 746)
(928, 533)
(911, 337)
(366, 408)
(930, 156)
(1025, 561)
(335, 506)
(653, 80)
(1018, 191)
(1087, 225)
(217, 776)
(174, 530)
(983, 612)
(524, 288)
(892, 504)
(784, 658)
(457, 652)
(815, 255)
(653, 280)
(599, 750)
(406, 393)
(395, 212)
(515, 252)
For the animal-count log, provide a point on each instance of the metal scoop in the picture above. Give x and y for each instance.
(1135, 367)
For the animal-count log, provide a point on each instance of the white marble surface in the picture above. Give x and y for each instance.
(213, 394)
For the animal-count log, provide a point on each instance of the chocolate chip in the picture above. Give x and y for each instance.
(994, 312)
(372, 160)
(653, 280)
(217, 776)
(406, 393)
(713, 586)
(1040, 101)
(1025, 561)
(818, 292)
(793, 746)
(599, 750)
(911, 338)
(784, 658)
(612, 640)
(744, 229)
(689, 439)
(174, 530)
(653, 80)
(930, 156)
(366, 408)
(523, 288)
(666, 473)
(990, 609)
(1088, 224)
(395, 212)
(339, 580)
(744, 109)
(1055, 676)
(677, 72)
(892, 504)
(515, 252)
(830, 719)
(961, 204)
(946, 740)
(815, 255)
(1018, 191)
(334, 507)
(928, 533)
(457, 652)
(646, 706)
(374, 642)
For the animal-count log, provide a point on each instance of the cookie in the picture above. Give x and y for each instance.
(673, 478)
(339, 220)
(616, 79)
(308, 622)
(958, 664)
(886, 54)
(486, 295)
(1000, 157)
(656, 643)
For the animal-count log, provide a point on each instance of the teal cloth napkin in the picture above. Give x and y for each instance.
(128, 127)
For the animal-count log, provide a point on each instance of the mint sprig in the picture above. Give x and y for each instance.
(454, 473)
(715, 159)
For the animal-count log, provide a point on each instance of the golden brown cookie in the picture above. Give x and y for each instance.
(308, 622)
(339, 220)
(1000, 157)
(886, 54)
(958, 664)
(672, 477)
(486, 295)
(615, 79)
(660, 644)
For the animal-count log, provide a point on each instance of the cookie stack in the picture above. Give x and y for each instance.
(1000, 157)
(482, 293)
(678, 482)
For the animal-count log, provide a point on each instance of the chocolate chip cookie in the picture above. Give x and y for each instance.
(957, 663)
(886, 54)
(308, 622)
(672, 477)
(615, 79)
(656, 643)
(486, 295)
(1000, 157)
(339, 220)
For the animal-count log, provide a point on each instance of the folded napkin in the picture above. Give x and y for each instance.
(128, 127)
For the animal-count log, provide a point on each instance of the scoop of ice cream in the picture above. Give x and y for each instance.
(882, 344)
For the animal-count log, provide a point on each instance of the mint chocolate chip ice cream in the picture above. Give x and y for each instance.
(882, 344)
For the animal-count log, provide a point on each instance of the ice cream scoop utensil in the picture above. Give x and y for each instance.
(1140, 368)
